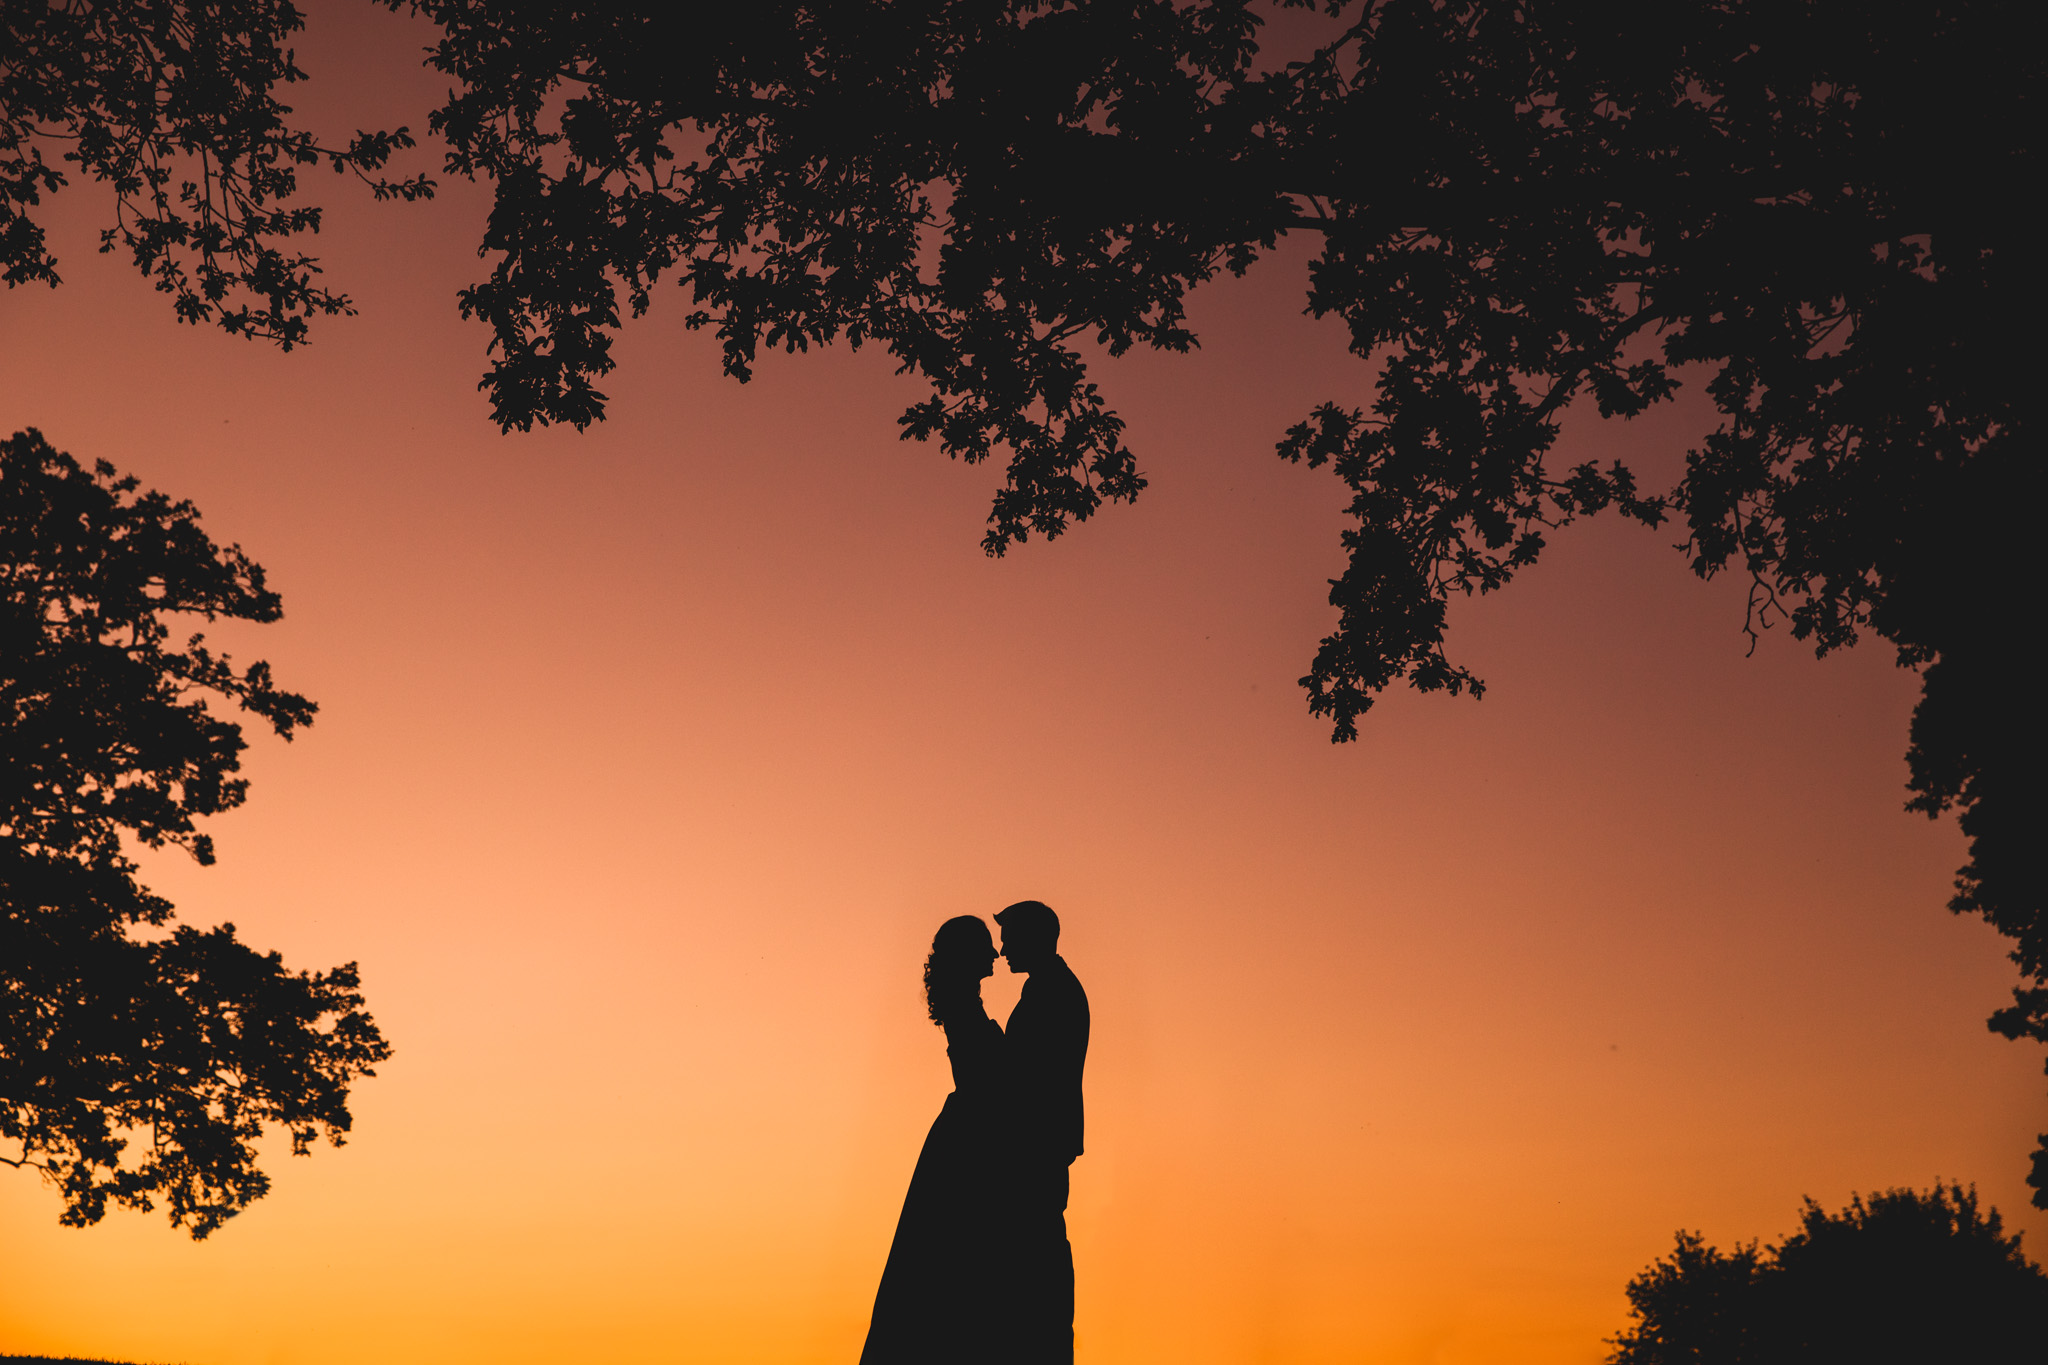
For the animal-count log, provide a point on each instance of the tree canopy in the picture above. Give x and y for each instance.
(114, 1021)
(1903, 1276)
(1815, 210)
(1811, 210)
(174, 105)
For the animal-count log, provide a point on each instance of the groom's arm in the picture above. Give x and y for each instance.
(1067, 1065)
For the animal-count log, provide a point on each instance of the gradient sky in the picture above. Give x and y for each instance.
(649, 759)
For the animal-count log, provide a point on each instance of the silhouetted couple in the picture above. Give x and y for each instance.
(981, 1269)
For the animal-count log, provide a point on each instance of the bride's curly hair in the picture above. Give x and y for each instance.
(952, 974)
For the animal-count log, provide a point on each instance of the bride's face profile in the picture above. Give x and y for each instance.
(963, 956)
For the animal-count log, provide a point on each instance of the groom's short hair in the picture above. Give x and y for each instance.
(1030, 917)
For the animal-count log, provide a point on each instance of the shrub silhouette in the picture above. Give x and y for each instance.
(1903, 1276)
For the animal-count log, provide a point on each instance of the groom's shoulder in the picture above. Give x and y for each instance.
(1066, 983)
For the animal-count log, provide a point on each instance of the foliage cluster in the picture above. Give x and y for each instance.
(1904, 1276)
(1814, 210)
(113, 1020)
(175, 106)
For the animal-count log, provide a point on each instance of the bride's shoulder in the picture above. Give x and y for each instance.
(975, 1031)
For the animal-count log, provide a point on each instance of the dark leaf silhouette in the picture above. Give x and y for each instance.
(1902, 1276)
(1815, 210)
(114, 1022)
(1812, 210)
(174, 106)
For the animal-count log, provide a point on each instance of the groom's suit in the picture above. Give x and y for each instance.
(1047, 1043)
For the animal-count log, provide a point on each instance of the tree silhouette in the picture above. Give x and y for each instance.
(1812, 210)
(1817, 206)
(174, 105)
(107, 1028)
(1905, 1276)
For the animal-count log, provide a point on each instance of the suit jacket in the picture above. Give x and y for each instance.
(1047, 1041)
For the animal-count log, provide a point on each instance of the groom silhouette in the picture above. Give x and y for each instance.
(1047, 1042)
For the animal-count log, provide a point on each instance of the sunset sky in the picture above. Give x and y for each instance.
(649, 758)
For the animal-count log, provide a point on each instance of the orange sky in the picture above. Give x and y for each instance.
(649, 759)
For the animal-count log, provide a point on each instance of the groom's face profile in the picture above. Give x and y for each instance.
(1031, 935)
(1025, 948)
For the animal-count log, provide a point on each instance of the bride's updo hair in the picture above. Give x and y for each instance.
(961, 953)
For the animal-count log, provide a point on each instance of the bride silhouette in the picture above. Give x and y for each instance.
(941, 1296)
